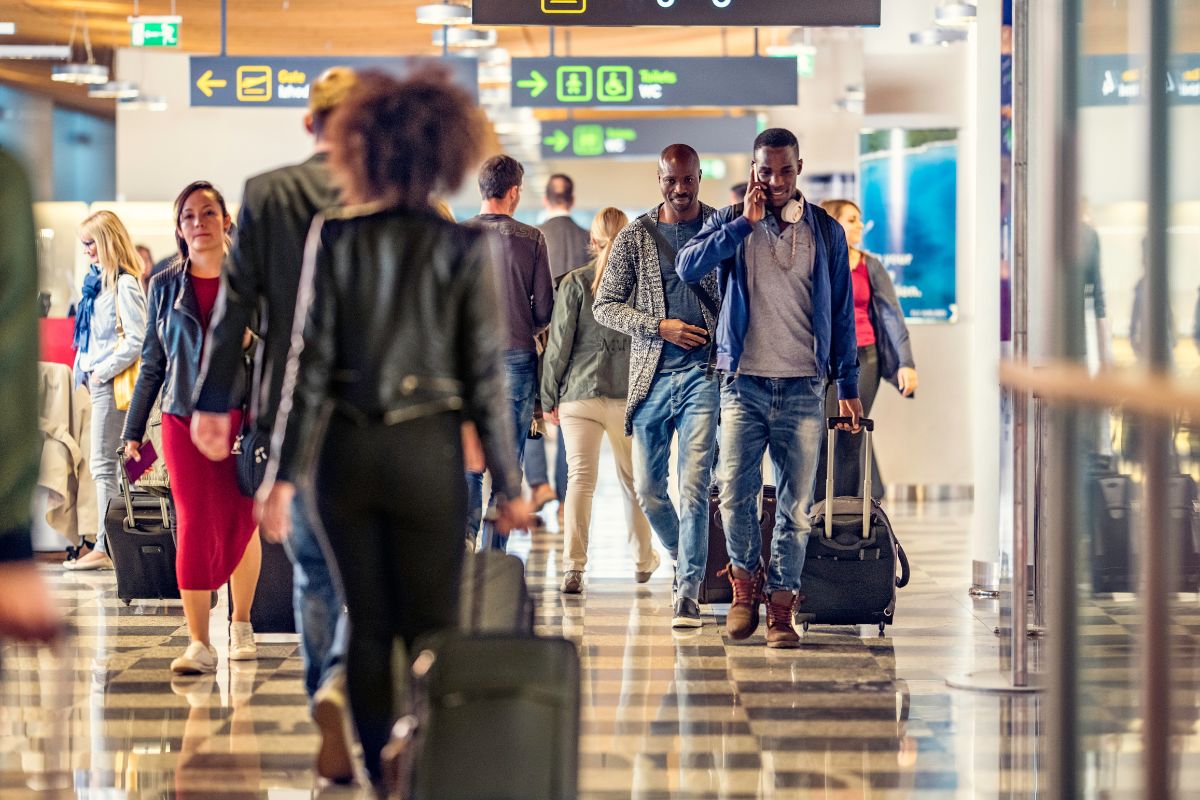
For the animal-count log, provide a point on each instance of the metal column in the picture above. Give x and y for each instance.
(1156, 563)
(1068, 344)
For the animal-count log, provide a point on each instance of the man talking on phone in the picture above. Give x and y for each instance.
(671, 388)
(787, 327)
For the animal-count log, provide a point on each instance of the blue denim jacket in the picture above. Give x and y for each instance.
(107, 354)
(721, 245)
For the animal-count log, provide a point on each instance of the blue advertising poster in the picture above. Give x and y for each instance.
(908, 181)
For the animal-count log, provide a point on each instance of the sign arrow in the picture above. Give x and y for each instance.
(557, 140)
(207, 83)
(536, 83)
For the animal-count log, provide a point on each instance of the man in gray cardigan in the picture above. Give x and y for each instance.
(670, 386)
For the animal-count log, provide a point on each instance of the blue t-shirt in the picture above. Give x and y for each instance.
(682, 302)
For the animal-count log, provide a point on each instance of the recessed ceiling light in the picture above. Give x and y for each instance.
(79, 73)
(464, 37)
(955, 15)
(937, 36)
(50, 52)
(114, 90)
(8, 28)
(444, 14)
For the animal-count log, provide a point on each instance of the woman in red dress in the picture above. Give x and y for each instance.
(215, 522)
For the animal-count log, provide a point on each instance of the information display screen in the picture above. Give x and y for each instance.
(726, 13)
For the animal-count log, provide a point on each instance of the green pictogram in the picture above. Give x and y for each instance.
(558, 141)
(536, 83)
(615, 84)
(574, 84)
(589, 140)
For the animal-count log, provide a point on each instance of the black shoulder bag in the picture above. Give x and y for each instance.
(665, 251)
(252, 447)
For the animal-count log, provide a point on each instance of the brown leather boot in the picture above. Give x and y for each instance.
(780, 633)
(742, 619)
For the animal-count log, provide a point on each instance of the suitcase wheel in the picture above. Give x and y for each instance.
(881, 628)
(127, 602)
(804, 626)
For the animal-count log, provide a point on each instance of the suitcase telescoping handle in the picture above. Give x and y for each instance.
(127, 496)
(868, 427)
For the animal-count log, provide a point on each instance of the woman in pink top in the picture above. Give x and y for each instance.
(883, 352)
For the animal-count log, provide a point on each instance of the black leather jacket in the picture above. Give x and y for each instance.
(400, 321)
(170, 352)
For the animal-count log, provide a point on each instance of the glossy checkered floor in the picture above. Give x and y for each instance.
(666, 715)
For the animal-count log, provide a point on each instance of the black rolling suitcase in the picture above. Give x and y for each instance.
(140, 529)
(273, 610)
(853, 564)
(1110, 505)
(496, 713)
(716, 587)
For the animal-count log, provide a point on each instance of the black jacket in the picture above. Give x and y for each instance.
(397, 318)
(566, 244)
(259, 285)
(171, 352)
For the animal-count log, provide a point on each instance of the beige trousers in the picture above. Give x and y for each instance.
(584, 423)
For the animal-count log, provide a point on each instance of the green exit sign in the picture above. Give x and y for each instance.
(155, 31)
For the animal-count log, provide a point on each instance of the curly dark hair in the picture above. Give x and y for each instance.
(403, 140)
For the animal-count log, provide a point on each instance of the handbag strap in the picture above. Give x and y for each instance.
(117, 305)
(668, 253)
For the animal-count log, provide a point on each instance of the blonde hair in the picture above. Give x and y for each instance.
(114, 247)
(836, 207)
(442, 209)
(605, 227)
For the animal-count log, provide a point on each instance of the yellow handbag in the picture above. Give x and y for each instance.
(127, 379)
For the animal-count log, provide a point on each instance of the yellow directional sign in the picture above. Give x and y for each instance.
(207, 83)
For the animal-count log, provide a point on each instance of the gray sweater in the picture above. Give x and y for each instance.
(631, 300)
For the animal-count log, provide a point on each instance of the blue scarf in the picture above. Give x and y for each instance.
(83, 311)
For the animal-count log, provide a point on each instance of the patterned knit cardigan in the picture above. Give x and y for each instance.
(633, 275)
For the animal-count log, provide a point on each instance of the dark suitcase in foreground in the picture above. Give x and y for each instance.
(140, 529)
(716, 588)
(273, 610)
(496, 713)
(853, 564)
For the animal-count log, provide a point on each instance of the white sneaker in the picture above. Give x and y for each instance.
(198, 659)
(241, 642)
(335, 761)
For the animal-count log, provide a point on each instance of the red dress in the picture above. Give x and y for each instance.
(215, 521)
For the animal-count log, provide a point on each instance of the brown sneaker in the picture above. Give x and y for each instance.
(742, 620)
(541, 495)
(780, 633)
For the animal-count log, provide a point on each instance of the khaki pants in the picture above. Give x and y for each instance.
(584, 423)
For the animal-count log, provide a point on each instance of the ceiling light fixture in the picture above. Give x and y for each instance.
(145, 102)
(79, 72)
(955, 15)
(114, 90)
(8, 28)
(464, 37)
(50, 52)
(444, 14)
(943, 37)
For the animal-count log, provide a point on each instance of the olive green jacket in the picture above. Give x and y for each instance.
(18, 361)
(583, 359)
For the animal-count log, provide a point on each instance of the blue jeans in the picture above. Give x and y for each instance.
(320, 609)
(520, 374)
(537, 471)
(686, 402)
(787, 415)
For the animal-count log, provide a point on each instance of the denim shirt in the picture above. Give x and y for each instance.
(107, 354)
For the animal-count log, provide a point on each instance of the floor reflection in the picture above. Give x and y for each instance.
(666, 715)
